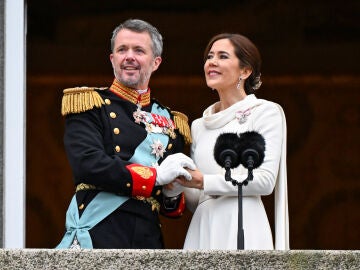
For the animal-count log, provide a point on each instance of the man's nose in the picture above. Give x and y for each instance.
(130, 56)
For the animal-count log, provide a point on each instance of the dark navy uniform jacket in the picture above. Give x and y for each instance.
(113, 146)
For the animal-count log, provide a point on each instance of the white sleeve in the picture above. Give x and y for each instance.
(192, 195)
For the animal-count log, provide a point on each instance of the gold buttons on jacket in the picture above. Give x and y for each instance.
(81, 206)
(113, 115)
(107, 101)
(128, 185)
(158, 192)
(143, 187)
(116, 131)
(117, 148)
(169, 146)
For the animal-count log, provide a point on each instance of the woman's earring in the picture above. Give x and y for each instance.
(239, 83)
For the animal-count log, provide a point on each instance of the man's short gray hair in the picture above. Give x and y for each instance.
(141, 26)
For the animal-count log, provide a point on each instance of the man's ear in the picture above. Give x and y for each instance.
(111, 59)
(157, 62)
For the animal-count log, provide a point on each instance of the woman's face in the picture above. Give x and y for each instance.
(222, 69)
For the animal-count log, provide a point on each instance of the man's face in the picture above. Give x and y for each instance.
(133, 60)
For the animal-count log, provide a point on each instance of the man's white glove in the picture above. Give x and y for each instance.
(172, 167)
(175, 190)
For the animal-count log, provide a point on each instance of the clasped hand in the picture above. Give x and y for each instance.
(172, 167)
(178, 185)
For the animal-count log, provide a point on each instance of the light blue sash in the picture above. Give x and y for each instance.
(99, 208)
(142, 154)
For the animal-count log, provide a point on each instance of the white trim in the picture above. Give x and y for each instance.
(14, 125)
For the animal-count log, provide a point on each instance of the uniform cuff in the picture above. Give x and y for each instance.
(143, 179)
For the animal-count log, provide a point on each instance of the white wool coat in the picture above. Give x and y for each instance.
(214, 224)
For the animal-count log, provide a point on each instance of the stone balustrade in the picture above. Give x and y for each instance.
(177, 259)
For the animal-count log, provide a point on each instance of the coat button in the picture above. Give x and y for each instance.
(107, 101)
(158, 192)
(81, 206)
(169, 146)
(117, 148)
(113, 115)
(116, 131)
(143, 187)
(128, 185)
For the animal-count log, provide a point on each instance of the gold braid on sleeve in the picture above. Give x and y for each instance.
(80, 99)
(181, 122)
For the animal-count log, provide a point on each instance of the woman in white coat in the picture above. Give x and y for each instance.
(232, 68)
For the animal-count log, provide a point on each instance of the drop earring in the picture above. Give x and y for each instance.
(239, 83)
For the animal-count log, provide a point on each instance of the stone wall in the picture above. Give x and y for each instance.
(2, 89)
(30, 259)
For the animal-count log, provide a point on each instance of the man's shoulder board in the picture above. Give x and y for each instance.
(80, 99)
(181, 122)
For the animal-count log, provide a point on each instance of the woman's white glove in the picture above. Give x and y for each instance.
(176, 189)
(172, 167)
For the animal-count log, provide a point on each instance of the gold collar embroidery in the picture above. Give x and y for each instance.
(130, 94)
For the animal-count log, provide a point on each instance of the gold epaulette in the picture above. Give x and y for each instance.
(80, 99)
(181, 122)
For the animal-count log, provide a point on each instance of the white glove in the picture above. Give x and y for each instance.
(176, 190)
(172, 167)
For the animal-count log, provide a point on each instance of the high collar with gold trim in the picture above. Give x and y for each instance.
(130, 94)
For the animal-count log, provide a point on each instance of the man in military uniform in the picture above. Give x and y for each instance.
(123, 147)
